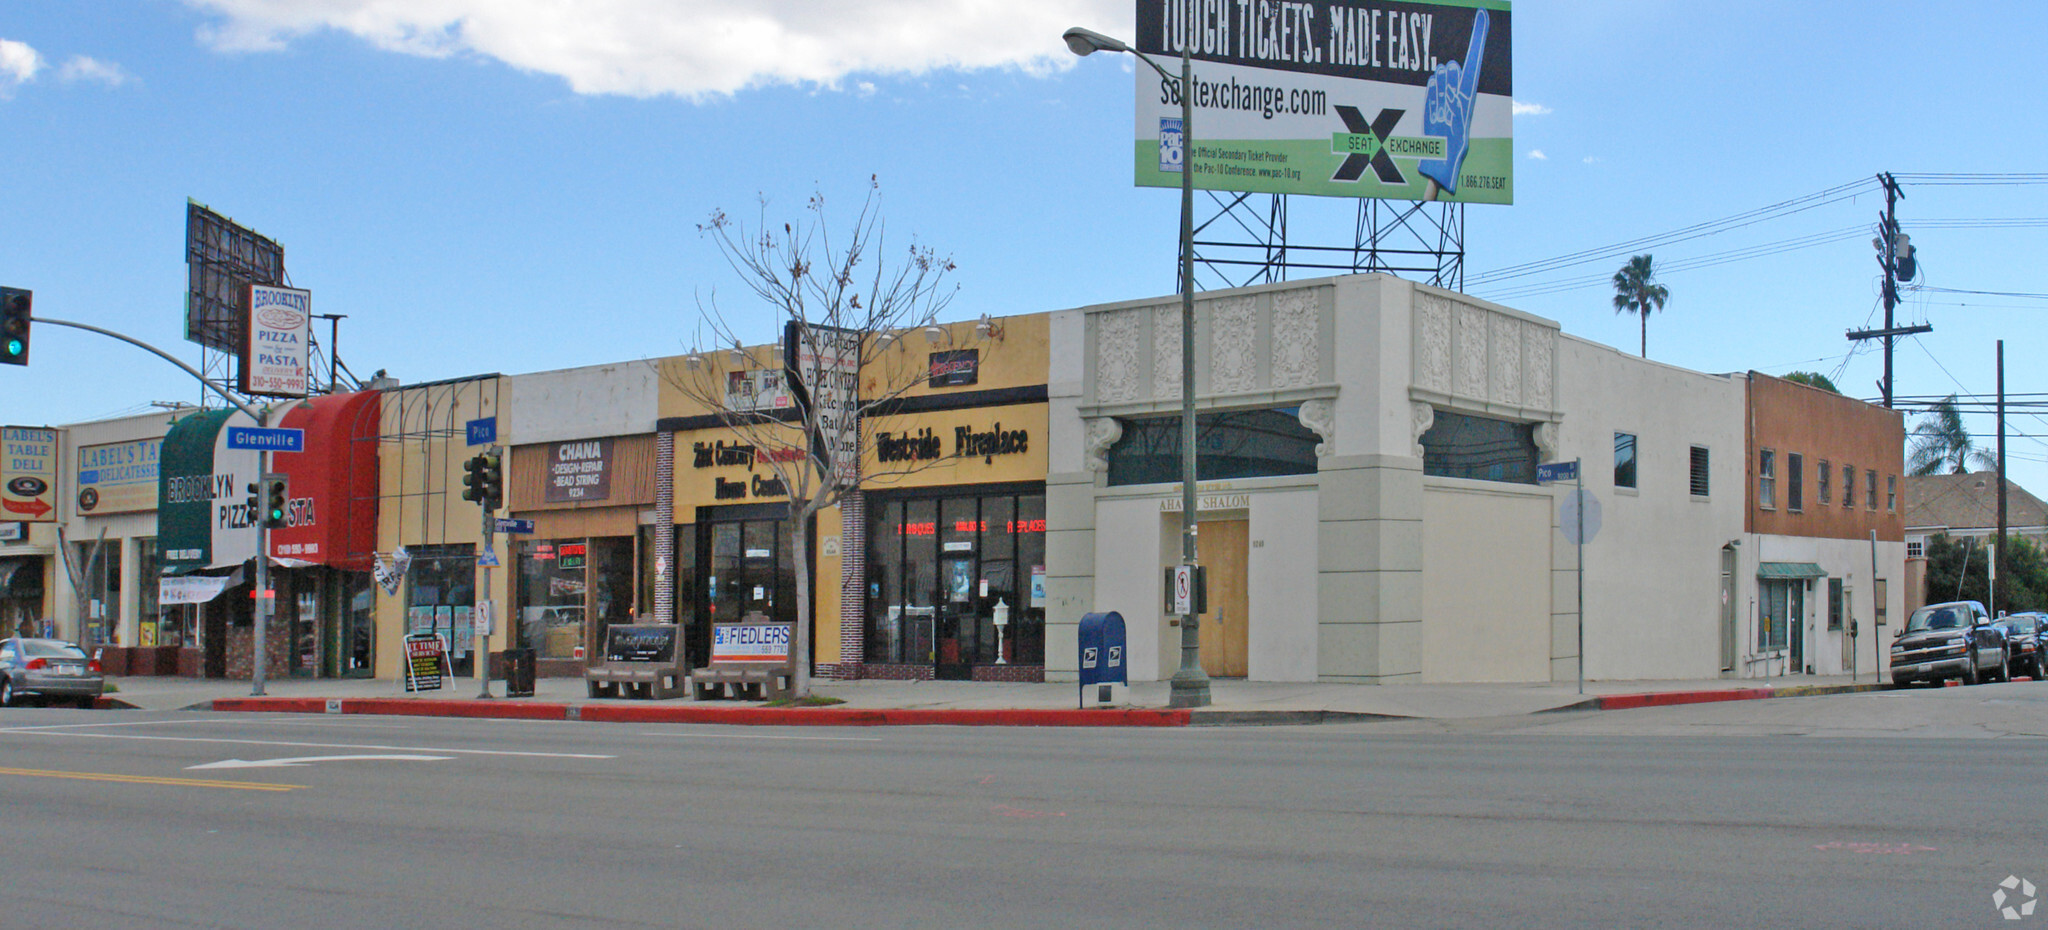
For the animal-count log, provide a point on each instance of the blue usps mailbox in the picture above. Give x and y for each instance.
(1103, 655)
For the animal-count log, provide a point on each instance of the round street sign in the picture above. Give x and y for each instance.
(1568, 516)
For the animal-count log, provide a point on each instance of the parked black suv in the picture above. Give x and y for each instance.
(1952, 640)
(2027, 652)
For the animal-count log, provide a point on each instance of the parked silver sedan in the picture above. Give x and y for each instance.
(45, 670)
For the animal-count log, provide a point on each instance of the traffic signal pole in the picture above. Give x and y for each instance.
(266, 599)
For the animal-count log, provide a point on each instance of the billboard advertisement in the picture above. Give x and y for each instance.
(1336, 98)
(275, 360)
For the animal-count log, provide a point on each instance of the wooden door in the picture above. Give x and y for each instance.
(1225, 630)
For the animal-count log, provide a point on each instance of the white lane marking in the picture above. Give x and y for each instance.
(846, 739)
(271, 742)
(306, 760)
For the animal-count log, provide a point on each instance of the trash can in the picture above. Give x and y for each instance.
(519, 672)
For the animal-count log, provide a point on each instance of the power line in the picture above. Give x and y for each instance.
(1782, 208)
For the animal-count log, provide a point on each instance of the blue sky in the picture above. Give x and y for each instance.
(494, 185)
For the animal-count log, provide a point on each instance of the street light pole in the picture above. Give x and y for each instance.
(1189, 686)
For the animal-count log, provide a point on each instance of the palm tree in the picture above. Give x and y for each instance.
(1635, 292)
(1942, 444)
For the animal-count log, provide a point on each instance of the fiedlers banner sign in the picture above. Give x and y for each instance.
(1338, 98)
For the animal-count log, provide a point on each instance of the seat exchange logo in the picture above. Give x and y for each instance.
(2015, 898)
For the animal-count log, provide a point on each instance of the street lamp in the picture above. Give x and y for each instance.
(1189, 686)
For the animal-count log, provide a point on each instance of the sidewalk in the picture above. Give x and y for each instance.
(971, 703)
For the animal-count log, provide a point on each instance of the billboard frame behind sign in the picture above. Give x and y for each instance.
(221, 259)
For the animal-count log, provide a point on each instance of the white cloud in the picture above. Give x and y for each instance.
(82, 68)
(1591, 159)
(18, 65)
(1530, 109)
(686, 48)
(1538, 155)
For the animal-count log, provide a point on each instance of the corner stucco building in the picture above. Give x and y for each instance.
(1369, 511)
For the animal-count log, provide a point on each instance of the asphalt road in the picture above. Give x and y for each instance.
(1702, 816)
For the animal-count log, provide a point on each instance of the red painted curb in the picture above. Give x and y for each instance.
(272, 705)
(434, 707)
(1668, 698)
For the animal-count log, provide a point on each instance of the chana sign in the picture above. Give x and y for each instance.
(1339, 98)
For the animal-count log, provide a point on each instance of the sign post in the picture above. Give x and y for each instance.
(1574, 519)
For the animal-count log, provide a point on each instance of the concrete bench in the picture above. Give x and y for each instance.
(749, 659)
(641, 660)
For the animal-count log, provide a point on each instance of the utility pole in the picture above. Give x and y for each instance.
(1895, 258)
(2001, 456)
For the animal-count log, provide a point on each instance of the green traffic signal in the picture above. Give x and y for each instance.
(15, 315)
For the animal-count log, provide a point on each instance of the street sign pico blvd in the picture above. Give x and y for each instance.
(267, 439)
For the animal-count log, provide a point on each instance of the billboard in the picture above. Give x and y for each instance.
(28, 474)
(275, 343)
(221, 260)
(1336, 98)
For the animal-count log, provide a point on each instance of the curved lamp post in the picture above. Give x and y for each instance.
(1189, 686)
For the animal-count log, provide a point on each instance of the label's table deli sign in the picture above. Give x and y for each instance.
(28, 474)
(118, 477)
(579, 471)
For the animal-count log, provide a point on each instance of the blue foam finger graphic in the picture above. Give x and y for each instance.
(1447, 108)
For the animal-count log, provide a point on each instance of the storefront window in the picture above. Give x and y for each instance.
(100, 565)
(441, 599)
(939, 569)
(565, 582)
(359, 637)
(154, 628)
(1230, 444)
(1459, 445)
(551, 598)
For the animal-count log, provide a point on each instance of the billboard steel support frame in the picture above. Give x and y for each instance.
(1247, 242)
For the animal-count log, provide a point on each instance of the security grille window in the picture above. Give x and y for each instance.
(1795, 482)
(1848, 486)
(1624, 460)
(1891, 494)
(1233, 444)
(1700, 472)
(1870, 489)
(1823, 478)
(1835, 604)
(1783, 604)
(1767, 479)
(1460, 445)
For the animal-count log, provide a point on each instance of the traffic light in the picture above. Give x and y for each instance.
(255, 501)
(494, 479)
(15, 305)
(276, 501)
(473, 487)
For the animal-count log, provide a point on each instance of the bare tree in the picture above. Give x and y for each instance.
(842, 304)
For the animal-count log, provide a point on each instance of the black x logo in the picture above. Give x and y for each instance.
(1381, 128)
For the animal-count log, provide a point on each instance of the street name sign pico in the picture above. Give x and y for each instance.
(1557, 471)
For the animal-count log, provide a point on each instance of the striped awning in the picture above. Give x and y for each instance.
(1790, 570)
